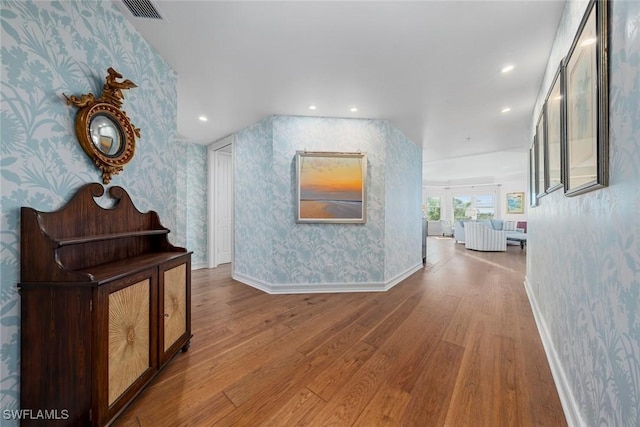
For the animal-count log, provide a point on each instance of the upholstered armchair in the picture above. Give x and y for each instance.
(483, 238)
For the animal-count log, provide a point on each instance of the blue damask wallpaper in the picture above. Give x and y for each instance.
(583, 261)
(191, 228)
(252, 181)
(273, 249)
(326, 253)
(403, 214)
(53, 47)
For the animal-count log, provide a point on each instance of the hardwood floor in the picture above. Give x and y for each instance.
(453, 345)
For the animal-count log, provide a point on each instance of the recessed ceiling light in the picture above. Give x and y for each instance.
(353, 109)
(312, 107)
(203, 118)
(505, 110)
(507, 68)
(588, 42)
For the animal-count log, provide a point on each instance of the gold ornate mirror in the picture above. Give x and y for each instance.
(104, 131)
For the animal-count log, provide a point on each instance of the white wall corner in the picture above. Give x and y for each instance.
(253, 282)
(400, 277)
(569, 406)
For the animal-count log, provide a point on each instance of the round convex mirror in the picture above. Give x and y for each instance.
(106, 134)
(104, 131)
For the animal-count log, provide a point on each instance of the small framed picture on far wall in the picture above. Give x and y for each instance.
(515, 203)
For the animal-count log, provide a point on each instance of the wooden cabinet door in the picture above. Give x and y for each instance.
(175, 307)
(131, 357)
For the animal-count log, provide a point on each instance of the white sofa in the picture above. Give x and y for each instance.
(480, 237)
(513, 234)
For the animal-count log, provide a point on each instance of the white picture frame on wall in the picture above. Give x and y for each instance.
(331, 187)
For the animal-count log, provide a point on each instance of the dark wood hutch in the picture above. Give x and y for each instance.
(105, 304)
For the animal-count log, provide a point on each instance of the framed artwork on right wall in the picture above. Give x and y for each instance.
(555, 133)
(587, 104)
(541, 156)
(533, 175)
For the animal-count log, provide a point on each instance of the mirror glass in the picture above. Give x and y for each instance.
(106, 134)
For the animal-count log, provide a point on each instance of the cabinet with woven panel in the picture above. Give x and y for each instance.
(105, 304)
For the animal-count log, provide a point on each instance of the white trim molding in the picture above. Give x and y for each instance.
(404, 275)
(315, 288)
(569, 406)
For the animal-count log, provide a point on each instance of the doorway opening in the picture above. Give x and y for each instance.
(220, 239)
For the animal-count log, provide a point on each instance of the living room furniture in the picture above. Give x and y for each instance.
(480, 237)
(513, 228)
(446, 225)
(425, 233)
(521, 225)
(105, 304)
(520, 238)
(458, 231)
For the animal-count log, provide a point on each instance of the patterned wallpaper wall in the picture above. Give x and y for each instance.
(403, 206)
(53, 47)
(326, 253)
(273, 249)
(583, 261)
(191, 228)
(253, 217)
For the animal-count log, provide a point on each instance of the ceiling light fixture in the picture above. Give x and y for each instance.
(505, 110)
(312, 107)
(507, 68)
(353, 109)
(203, 118)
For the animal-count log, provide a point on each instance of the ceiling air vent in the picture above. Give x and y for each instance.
(142, 9)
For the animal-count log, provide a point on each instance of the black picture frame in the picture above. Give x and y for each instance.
(555, 135)
(533, 175)
(541, 155)
(586, 82)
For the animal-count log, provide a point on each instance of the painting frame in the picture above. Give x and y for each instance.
(331, 187)
(541, 155)
(533, 175)
(586, 85)
(555, 136)
(515, 203)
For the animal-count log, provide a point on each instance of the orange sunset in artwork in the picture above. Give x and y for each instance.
(331, 187)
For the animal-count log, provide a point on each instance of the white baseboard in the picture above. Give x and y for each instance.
(400, 277)
(315, 288)
(569, 406)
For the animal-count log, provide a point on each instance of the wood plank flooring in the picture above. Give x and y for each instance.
(453, 345)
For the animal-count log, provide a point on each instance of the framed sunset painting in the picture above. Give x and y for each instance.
(331, 187)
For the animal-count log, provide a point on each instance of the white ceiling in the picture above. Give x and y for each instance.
(432, 68)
